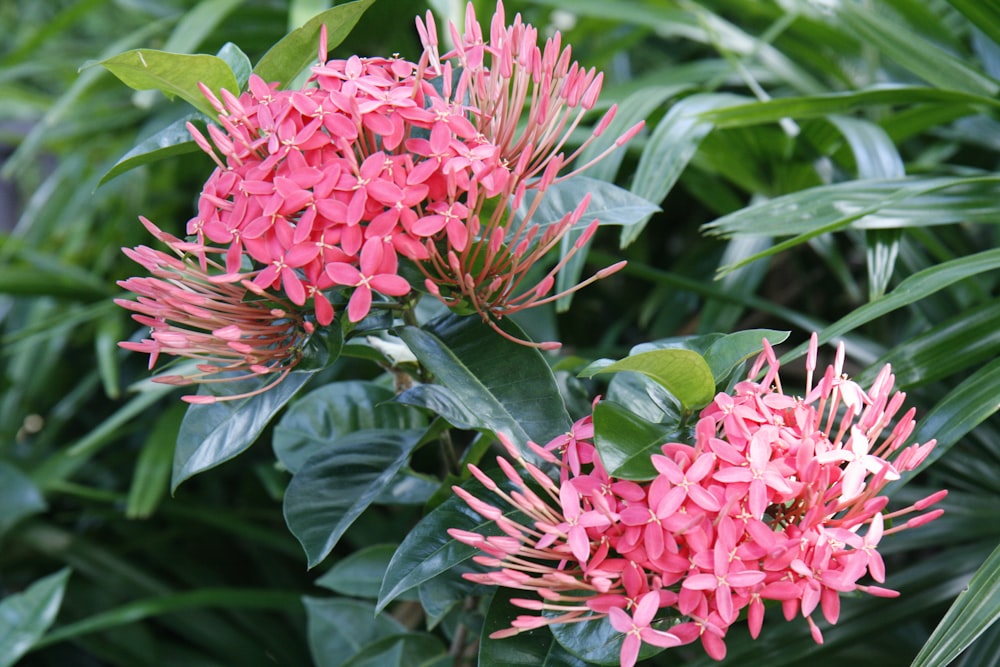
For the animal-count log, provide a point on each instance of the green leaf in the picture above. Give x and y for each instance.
(684, 373)
(597, 642)
(323, 415)
(536, 648)
(913, 52)
(428, 550)
(238, 61)
(984, 15)
(295, 51)
(175, 74)
(360, 574)
(338, 628)
(975, 610)
(214, 433)
(151, 478)
(19, 497)
(172, 140)
(609, 204)
(403, 650)
(339, 482)
(960, 411)
(443, 402)
(24, 617)
(626, 441)
(670, 148)
(726, 354)
(198, 24)
(510, 385)
(816, 106)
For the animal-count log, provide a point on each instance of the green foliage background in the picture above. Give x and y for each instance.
(828, 166)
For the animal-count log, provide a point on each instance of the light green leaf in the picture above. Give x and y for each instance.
(684, 373)
(726, 354)
(175, 74)
(295, 51)
(24, 617)
(214, 433)
(19, 497)
(338, 628)
(238, 61)
(339, 482)
(510, 385)
(975, 610)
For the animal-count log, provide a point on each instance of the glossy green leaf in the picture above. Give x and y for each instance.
(510, 386)
(536, 648)
(172, 140)
(339, 482)
(597, 642)
(332, 411)
(19, 497)
(443, 402)
(24, 617)
(684, 373)
(670, 148)
(448, 593)
(214, 433)
(915, 53)
(428, 550)
(975, 610)
(339, 628)
(814, 106)
(175, 74)
(295, 51)
(626, 441)
(151, 478)
(360, 573)
(402, 650)
(726, 354)
(238, 61)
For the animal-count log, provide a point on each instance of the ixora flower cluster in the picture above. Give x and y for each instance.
(778, 498)
(327, 187)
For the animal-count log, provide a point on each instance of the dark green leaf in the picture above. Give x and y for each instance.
(19, 497)
(339, 482)
(626, 441)
(214, 433)
(359, 574)
(175, 74)
(410, 649)
(510, 386)
(597, 642)
(428, 550)
(24, 617)
(339, 627)
(323, 415)
(537, 648)
(984, 15)
(442, 401)
(172, 140)
(295, 51)
(151, 478)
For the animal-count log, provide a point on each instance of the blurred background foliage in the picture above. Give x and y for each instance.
(837, 159)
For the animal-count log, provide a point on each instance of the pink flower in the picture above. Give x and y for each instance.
(232, 328)
(777, 498)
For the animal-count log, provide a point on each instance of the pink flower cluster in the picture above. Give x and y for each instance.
(778, 498)
(327, 187)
